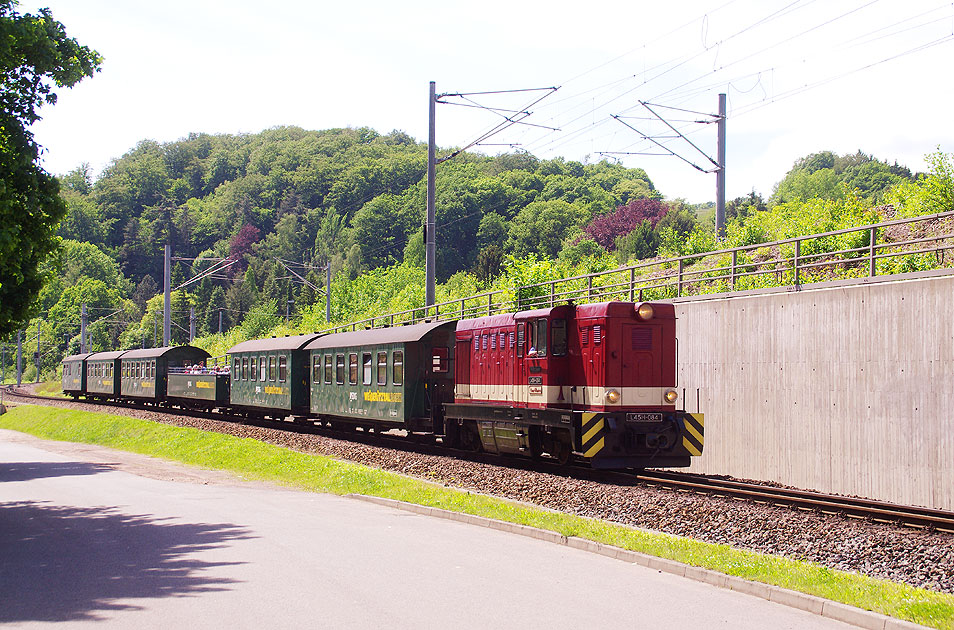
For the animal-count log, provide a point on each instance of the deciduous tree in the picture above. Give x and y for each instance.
(36, 55)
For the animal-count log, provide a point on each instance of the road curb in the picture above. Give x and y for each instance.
(793, 599)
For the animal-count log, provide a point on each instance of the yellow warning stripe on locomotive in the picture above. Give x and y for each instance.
(693, 437)
(594, 429)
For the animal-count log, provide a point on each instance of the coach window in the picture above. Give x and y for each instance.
(366, 359)
(558, 337)
(282, 368)
(252, 372)
(382, 368)
(328, 370)
(353, 368)
(397, 375)
(262, 369)
(339, 369)
(315, 370)
(244, 369)
(271, 368)
(236, 367)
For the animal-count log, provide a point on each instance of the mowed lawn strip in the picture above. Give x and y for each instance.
(257, 460)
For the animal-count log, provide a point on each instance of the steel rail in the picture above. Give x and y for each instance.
(907, 515)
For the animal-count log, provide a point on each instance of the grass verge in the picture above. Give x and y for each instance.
(256, 460)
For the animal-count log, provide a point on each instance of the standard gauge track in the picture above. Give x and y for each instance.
(832, 504)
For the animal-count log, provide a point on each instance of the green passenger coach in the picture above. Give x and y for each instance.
(270, 376)
(74, 376)
(144, 373)
(102, 374)
(384, 378)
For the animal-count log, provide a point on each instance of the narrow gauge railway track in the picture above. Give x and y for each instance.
(880, 511)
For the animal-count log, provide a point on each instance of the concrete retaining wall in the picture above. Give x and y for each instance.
(847, 390)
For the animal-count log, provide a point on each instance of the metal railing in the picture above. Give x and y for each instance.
(887, 248)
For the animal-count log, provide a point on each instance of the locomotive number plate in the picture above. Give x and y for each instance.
(644, 417)
(535, 380)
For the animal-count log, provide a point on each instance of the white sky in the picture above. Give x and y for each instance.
(182, 66)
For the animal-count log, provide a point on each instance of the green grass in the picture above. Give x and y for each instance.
(49, 388)
(256, 460)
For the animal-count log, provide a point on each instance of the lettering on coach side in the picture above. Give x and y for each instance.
(273, 390)
(394, 397)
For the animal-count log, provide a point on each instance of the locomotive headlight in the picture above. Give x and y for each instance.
(612, 396)
(645, 311)
(671, 396)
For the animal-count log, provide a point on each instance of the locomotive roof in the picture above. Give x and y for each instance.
(105, 356)
(621, 309)
(294, 342)
(394, 334)
(76, 357)
(184, 352)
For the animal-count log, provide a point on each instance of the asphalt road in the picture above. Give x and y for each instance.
(91, 537)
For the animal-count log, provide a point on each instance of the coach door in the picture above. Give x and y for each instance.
(463, 369)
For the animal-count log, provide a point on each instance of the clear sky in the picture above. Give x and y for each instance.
(801, 76)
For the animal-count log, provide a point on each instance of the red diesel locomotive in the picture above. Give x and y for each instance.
(593, 379)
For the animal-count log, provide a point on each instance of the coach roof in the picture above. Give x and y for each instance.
(376, 336)
(105, 356)
(76, 357)
(173, 352)
(295, 342)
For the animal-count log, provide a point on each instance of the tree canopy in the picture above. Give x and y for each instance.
(36, 55)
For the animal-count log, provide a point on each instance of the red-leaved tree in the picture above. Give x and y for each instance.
(242, 244)
(606, 228)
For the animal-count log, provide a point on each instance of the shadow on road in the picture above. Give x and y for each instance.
(25, 471)
(65, 564)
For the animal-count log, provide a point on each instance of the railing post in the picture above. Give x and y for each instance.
(490, 303)
(552, 293)
(462, 308)
(872, 266)
(589, 288)
(735, 261)
(798, 253)
(679, 285)
(632, 284)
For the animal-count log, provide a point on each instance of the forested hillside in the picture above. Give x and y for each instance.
(288, 201)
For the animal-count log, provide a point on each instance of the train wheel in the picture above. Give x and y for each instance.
(561, 447)
(470, 437)
(451, 438)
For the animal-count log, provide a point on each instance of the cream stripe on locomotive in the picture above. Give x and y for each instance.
(553, 394)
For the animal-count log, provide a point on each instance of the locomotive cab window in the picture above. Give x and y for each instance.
(397, 376)
(538, 338)
(353, 368)
(382, 368)
(439, 363)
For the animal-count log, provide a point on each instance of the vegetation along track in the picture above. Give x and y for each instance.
(674, 503)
